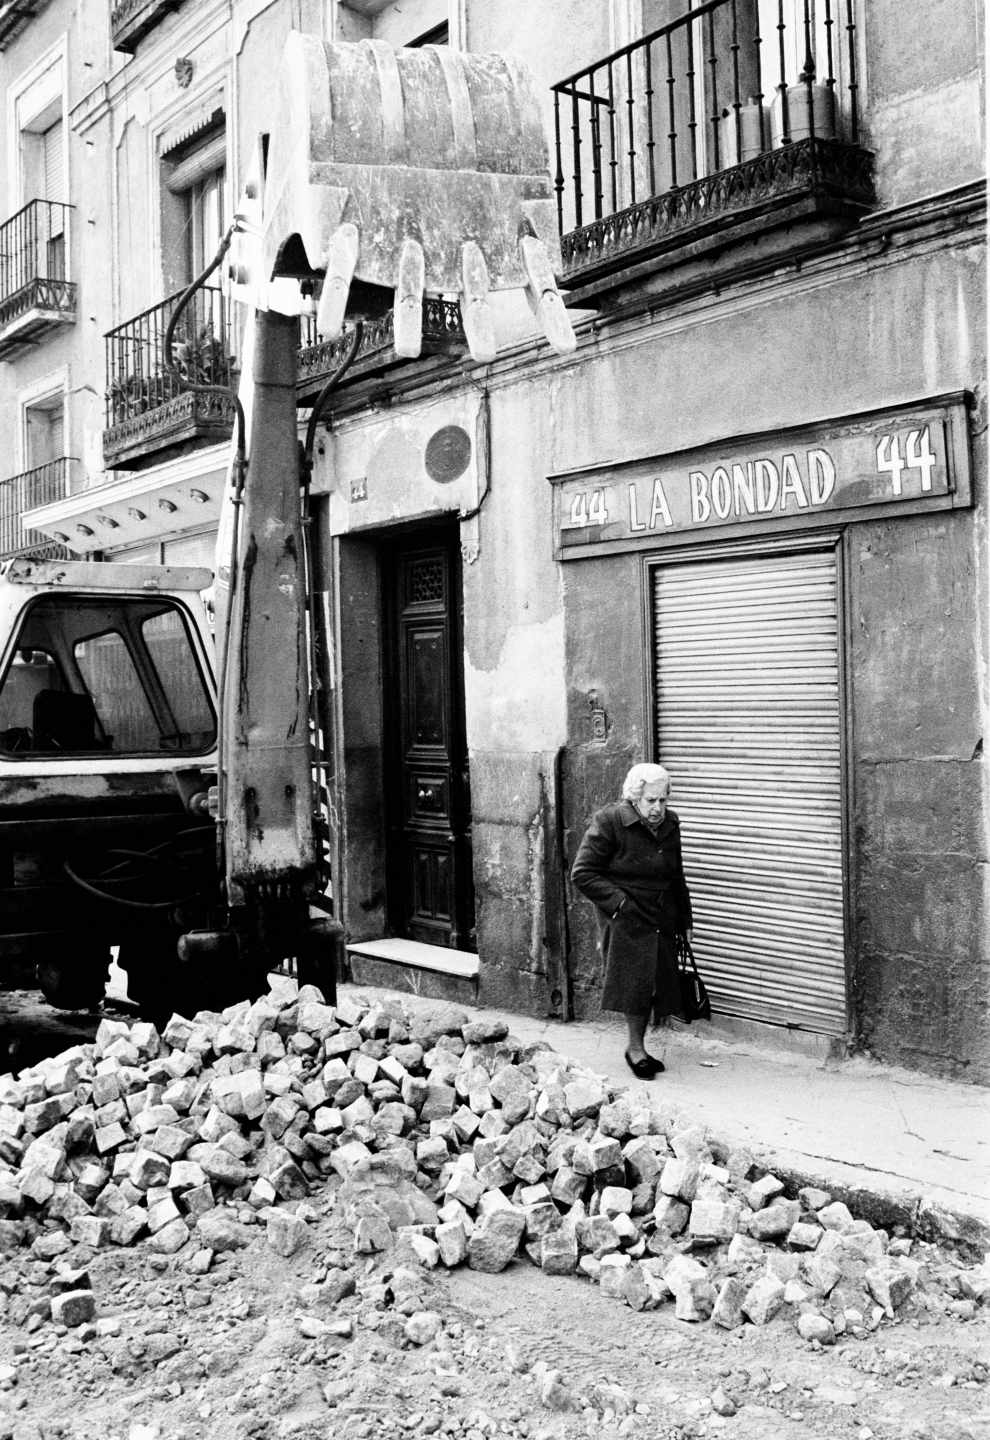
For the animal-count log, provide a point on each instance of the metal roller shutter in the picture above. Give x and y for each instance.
(748, 724)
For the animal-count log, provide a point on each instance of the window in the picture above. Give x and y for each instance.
(44, 427)
(36, 249)
(193, 203)
(96, 676)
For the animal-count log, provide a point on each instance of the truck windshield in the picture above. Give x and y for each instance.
(90, 676)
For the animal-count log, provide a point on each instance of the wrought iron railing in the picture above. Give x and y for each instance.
(442, 332)
(33, 259)
(723, 83)
(21, 493)
(138, 379)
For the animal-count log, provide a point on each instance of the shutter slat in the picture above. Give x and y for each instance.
(749, 725)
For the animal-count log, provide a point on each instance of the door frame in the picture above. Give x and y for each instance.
(432, 534)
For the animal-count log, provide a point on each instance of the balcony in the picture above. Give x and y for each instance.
(131, 20)
(35, 296)
(443, 335)
(152, 412)
(21, 493)
(15, 15)
(738, 119)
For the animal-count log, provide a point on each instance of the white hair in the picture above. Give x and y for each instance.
(640, 776)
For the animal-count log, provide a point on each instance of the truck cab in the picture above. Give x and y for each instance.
(108, 736)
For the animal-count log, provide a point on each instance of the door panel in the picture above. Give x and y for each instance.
(430, 886)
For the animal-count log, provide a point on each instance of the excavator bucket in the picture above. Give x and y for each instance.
(405, 172)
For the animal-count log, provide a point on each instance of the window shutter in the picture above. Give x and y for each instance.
(53, 163)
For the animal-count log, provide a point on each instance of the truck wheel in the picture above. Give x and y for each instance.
(73, 981)
(155, 982)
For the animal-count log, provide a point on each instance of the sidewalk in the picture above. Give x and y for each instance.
(907, 1144)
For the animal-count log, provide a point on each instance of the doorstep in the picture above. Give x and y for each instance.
(433, 971)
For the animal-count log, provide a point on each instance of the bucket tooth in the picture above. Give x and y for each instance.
(544, 297)
(409, 290)
(341, 261)
(476, 312)
(394, 169)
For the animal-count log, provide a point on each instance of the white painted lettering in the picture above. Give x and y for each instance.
(791, 483)
(889, 460)
(821, 476)
(659, 510)
(598, 513)
(767, 485)
(919, 455)
(721, 492)
(743, 489)
(700, 504)
(634, 521)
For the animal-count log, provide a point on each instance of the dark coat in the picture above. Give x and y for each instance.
(621, 862)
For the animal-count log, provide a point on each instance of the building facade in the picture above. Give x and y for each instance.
(741, 531)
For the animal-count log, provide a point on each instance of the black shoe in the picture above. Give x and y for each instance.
(646, 1068)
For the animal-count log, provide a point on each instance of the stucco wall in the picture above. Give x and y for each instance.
(514, 706)
(920, 968)
(916, 642)
(922, 95)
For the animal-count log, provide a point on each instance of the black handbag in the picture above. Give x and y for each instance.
(695, 1004)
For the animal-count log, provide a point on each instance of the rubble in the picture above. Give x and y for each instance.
(441, 1140)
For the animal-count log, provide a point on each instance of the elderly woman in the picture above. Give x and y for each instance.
(629, 864)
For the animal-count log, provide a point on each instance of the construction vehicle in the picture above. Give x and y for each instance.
(140, 807)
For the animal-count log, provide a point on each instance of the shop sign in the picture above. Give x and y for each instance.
(906, 459)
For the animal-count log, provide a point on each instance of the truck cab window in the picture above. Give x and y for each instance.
(94, 676)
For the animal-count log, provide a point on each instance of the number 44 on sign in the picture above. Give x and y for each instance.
(917, 456)
(589, 510)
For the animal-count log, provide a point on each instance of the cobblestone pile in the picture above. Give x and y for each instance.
(444, 1141)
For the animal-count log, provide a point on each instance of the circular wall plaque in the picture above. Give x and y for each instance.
(448, 454)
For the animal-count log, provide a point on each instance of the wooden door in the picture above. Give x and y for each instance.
(431, 895)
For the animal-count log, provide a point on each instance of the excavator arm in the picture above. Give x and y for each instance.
(390, 174)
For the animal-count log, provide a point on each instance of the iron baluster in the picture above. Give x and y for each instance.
(807, 76)
(613, 159)
(736, 102)
(759, 96)
(785, 125)
(672, 132)
(650, 141)
(853, 86)
(716, 115)
(692, 113)
(558, 179)
(596, 148)
(833, 110)
(630, 102)
(576, 148)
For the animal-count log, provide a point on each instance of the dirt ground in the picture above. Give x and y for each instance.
(251, 1346)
